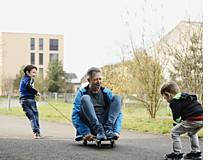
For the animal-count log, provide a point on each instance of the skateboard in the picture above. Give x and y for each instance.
(98, 142)
(174, 159)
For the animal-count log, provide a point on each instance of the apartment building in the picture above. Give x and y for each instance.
(17, 49)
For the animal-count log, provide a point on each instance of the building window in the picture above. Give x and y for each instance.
(40, 58)
(41, 44)
(32, 58)
(53, 44)
(41, 72)
(53, 56)
(32, 43)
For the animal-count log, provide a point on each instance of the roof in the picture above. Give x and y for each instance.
(200, 24)
(71, 75)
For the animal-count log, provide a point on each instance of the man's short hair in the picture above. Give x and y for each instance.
(170, 87)
(29, 68)
(92, 71)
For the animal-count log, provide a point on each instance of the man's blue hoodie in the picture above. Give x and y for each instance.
(27, 89)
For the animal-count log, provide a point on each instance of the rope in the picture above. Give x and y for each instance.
(56, 109)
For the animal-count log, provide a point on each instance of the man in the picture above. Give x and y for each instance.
(96, 111)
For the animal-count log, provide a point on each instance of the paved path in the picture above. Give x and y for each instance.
(17, 143)
(15, 103)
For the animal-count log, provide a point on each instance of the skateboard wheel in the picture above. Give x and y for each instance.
(113, 144)
(85, 142)
(98, 144)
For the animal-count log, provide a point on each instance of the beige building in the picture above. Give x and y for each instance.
(17, 49)
(177, 42)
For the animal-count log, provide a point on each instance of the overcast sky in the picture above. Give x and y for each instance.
(92, 29)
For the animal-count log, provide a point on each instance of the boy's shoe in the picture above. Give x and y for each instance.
(37, 136)
(101, 134)
(110, 134)
(191, 155)
(172, 156)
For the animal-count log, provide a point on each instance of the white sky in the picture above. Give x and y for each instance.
(91, 28)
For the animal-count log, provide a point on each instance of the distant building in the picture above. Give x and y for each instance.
(84, 81)
(17, 49)
(75, 84)
(71, 77)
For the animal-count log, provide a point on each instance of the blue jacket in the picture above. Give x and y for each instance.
(83, 129)
(27, 89)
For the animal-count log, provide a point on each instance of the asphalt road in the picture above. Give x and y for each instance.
(17, 143)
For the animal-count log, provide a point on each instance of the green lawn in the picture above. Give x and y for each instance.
(138, 120)
(46, 112)
(6, 97)
(135, 117)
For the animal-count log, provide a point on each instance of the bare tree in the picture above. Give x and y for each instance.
(115, 77)
(184, 46)
(147, 78)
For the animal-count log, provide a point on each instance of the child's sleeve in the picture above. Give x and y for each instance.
(176, 110)
(30, 86)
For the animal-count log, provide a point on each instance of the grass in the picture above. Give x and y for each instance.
(6, 97)
(135, 117)
(46, 112)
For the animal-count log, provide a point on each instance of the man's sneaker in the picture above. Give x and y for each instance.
(110, 134)
(193, 156)
(101, 134)
(172, 156)
(37, 136)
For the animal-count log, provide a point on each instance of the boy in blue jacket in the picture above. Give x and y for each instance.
(27, 99)
(188, 113)
(97, 112)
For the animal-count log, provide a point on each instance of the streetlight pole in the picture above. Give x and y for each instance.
(9, 99)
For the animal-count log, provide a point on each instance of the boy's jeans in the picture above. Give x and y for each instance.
(30, 109)
(93, 119)
(191, 127)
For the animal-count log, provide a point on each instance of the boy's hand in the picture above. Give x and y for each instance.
(38, 94)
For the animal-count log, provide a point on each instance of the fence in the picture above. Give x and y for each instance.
(59, 97)
(130, 102)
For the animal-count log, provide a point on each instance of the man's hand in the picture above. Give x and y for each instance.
(89, 137)
(117, 134)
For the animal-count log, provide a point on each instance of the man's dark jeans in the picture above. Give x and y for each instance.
(30, 109)
(93, 119)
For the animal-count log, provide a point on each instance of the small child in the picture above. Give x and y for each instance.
(188, 113)
(27, 99)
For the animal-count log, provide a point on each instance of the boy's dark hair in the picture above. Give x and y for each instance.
(170, 87)
(29, 68)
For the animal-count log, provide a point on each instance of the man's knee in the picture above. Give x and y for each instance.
(117, 98)
(85, 98)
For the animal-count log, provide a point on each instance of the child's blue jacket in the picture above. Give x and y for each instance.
(82, 128)
(27, 87)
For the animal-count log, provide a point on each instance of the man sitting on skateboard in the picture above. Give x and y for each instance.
(96, 111)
